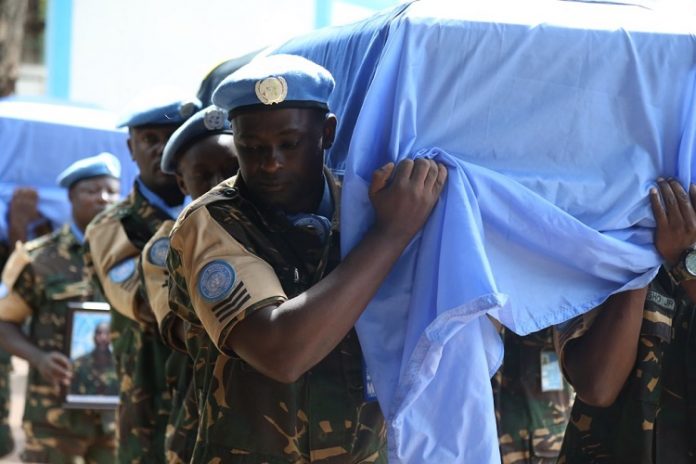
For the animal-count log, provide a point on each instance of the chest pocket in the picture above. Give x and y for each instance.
(49, 325)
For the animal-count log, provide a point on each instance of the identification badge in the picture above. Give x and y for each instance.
(551, 378)
(370, 393)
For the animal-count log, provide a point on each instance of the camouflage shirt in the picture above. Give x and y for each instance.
(227, 259)
(182, 426)
(532, 412)
(654, 418)
(94, 375)
(6, 440)
(41, 278)
(113, 243)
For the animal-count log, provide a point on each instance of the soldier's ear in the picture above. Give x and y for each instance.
(329, 131)
(180, 182)
(129, 143)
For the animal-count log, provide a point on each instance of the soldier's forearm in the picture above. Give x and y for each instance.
(13, 340)
(285, 341)
(599, 362)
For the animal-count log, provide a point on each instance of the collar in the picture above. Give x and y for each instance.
(326, 206)
(79, 235)
(157, 201)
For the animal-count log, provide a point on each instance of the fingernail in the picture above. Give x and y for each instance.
(653, 191)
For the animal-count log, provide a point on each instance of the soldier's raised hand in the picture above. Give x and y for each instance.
(675, 218)
(403, 202)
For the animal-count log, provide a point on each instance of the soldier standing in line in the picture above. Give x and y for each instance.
(632, 360)
(532, 400)
(254, 269)
(201, 155)
(24, 222)
(6, 439)
(40, 279)
(114, 241)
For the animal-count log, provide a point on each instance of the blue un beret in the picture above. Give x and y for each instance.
(157, 110)
(103, 164)
(209, 121)
(276, 81)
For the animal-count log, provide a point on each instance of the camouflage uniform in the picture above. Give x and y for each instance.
(223, 242)
(92, 376)
(113, 243)
(6, 440)
(531, 421)
(654, 418)
(180, 436)
(43, 276)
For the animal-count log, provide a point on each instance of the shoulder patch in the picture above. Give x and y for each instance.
(122, 271)
(215, 280)
(157, 254)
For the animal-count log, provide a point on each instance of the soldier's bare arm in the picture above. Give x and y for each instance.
(285, 341)
(55, 367)
(598, 363)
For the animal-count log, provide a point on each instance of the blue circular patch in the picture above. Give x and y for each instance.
(122, 271)
(216, 280)
(158, 252)
(4, 291)
(318, 224)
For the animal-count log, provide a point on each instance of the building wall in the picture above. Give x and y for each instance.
(118, 48)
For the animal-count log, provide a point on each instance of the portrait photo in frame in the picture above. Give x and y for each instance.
(88, 345)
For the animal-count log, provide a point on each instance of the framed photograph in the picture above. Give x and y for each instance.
(94, 384)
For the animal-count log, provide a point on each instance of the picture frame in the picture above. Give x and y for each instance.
(88, 346)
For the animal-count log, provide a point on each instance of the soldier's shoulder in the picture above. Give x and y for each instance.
(110, 217)
(43, 243)
(224, 191)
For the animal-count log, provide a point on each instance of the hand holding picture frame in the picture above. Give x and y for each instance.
(95, 384)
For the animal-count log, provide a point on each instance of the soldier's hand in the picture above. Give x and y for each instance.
(56, 368)
(403, 204)
(675, 218)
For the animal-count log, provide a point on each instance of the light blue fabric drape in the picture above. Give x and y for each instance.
(554, 124)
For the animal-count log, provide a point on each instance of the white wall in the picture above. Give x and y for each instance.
(122, 47)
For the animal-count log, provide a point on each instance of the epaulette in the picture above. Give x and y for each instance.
(223, 191)
(41, 242)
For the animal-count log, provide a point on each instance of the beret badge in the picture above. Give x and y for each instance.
(271, 90)
(214, 119)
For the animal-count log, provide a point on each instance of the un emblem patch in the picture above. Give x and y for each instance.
(122, 271)
(157, 254)
(4, 291)
(216, 280)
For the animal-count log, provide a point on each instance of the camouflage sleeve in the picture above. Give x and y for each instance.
(17, 295)
(221, 280)
(113, 261)
(154, 271)
(571, 330)
(156, 284)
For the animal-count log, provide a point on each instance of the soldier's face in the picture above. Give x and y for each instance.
(281, 155)
(146, 144)
(90, 197)
(102, 336)
(206, 163)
